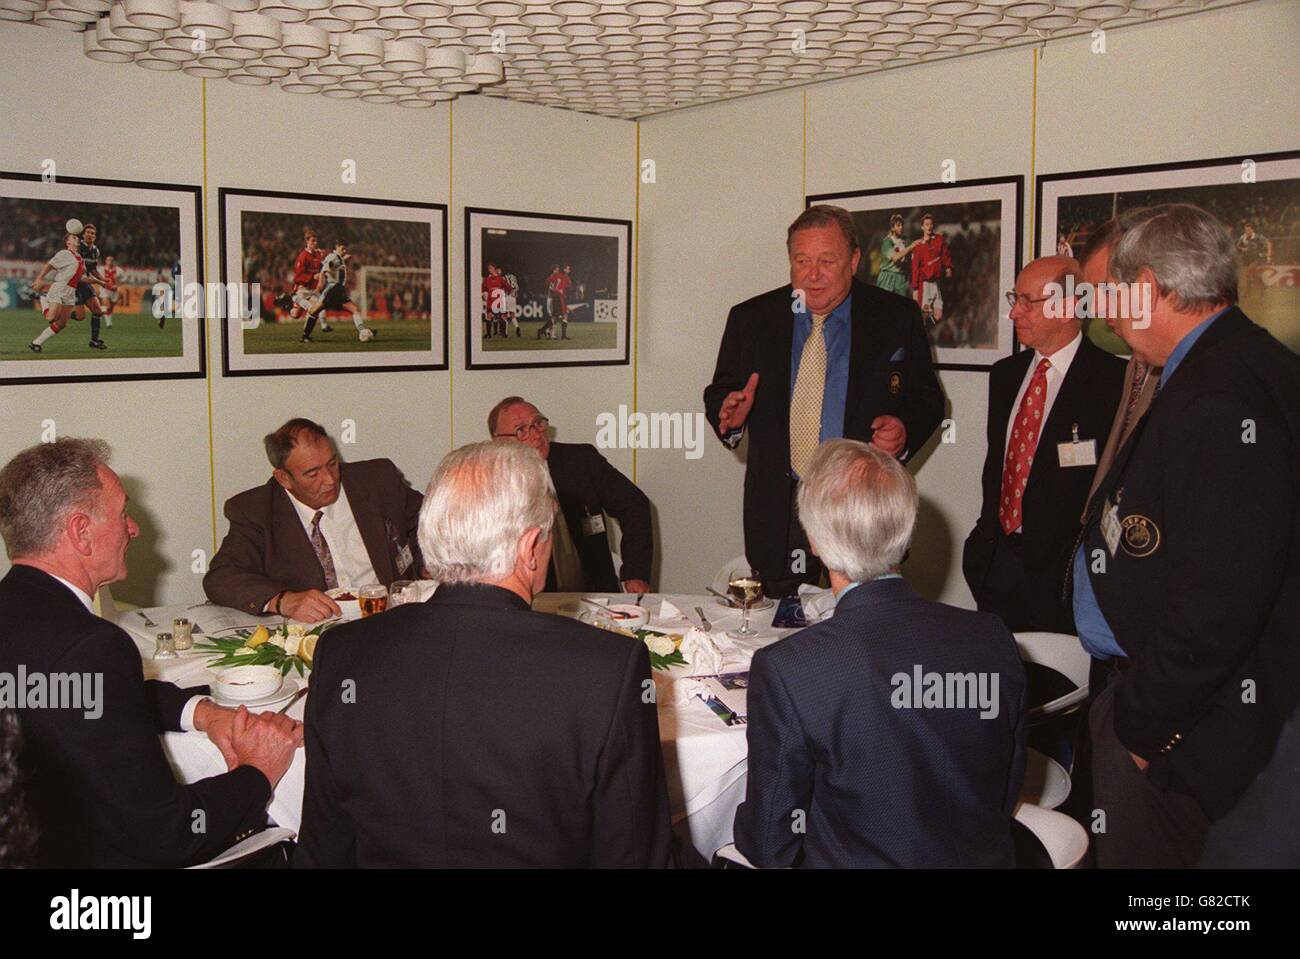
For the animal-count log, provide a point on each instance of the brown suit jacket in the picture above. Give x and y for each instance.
(267, 550)
(1115, 440)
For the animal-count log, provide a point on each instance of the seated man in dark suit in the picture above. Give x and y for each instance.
(316, 525)
(1050, 408)
(97, 782)
(587, 487)
(892, 734)
(485, 734)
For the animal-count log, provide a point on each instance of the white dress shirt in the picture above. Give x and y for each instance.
(1060, 361)
(339, 527)
(187, 714)
(1060, 365)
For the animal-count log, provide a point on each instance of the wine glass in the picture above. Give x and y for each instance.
(745, 586)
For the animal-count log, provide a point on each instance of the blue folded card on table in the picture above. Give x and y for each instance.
(789, 614)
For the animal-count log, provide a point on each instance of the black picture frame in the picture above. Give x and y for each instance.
(104, 367)
(233, 201)
(620, 230)
(1216, 184)
(916, 197)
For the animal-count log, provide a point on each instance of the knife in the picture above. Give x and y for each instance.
(296, 696)
(708, 628)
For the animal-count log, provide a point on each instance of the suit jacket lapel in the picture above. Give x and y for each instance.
(1005, 389)
(1064, 407)
(374, 533)
(865, 360)
(781, 337)
(288, 533)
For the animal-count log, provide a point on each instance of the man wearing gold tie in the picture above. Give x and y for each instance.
(825, 356)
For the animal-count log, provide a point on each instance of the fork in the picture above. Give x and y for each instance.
(149, 623)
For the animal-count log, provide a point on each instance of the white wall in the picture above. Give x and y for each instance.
(505, 155)
(731, 179)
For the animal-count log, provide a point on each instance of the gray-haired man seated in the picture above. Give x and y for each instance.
(469, 730)
(892, 734)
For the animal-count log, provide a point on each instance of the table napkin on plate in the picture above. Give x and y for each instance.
(817, 603)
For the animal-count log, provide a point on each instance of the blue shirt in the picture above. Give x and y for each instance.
(1094, 632)
(856, 583)
(836, 331)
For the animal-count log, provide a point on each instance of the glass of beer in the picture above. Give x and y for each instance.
(373, 598)
(745, 587)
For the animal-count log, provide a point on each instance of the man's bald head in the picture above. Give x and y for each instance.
(1043, 316)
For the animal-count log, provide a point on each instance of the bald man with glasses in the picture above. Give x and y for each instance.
(588, 488)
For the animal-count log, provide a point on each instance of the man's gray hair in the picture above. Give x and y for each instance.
(483, 497)
(858, 506)
(1190, 252)
(42, 486)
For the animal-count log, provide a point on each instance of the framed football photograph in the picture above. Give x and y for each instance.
(546, 290)
(92, 279)
(1255, 196)
(332, 284)
(953, 249)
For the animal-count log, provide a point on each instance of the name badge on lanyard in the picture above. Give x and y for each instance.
(1077, 452)
(591, 525)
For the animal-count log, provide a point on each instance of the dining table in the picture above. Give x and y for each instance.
(704, 751)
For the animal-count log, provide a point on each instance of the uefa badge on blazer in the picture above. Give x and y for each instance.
(895, 383)
(1139, 535)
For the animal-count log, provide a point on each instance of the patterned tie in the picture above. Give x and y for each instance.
(1025, 429)
(806, 403)
(1140, 373)
(323, 553)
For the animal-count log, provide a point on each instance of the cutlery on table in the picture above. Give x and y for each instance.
(296, 696)
(704, 620)
(149, 623)
(722, 596)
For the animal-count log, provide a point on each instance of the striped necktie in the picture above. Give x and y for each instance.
(323, 553)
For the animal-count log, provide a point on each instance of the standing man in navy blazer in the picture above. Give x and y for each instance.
(317, 524)
(822, 357)
(1050, 409)
(892, 734)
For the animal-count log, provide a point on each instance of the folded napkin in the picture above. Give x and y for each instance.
(817, 603)
(668, 611)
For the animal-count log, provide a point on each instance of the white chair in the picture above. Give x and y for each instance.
(241, 851)
(721, 578)
(1063, 653)
(1047, 784)
(1064, 839)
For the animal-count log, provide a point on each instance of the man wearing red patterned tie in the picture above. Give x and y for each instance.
(1049, 406)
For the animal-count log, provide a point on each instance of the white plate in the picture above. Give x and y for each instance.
(286, 691)
(763, 603)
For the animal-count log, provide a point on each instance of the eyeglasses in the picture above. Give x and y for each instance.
(540, 425)
(1023, 300)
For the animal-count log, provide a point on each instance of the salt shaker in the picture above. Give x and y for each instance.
(165, 648)
(182, 634)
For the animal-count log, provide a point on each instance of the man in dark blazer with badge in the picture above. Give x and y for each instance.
(1050, 407)
(316, 525)
(1188, 576)
(825, 356)
(588, 487)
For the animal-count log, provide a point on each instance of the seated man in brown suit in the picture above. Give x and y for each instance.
(315, 525)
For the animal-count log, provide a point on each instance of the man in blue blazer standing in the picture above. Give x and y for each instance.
(892, 734)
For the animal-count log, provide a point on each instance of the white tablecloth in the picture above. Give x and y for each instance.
(704, 759)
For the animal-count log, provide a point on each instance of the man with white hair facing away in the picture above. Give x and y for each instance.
(469, 730)
(892, 734)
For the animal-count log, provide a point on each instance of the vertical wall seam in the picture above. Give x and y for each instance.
(451, 277)
(207, 202)
(636, 285)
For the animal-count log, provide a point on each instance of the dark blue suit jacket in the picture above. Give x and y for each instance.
(880, 785)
